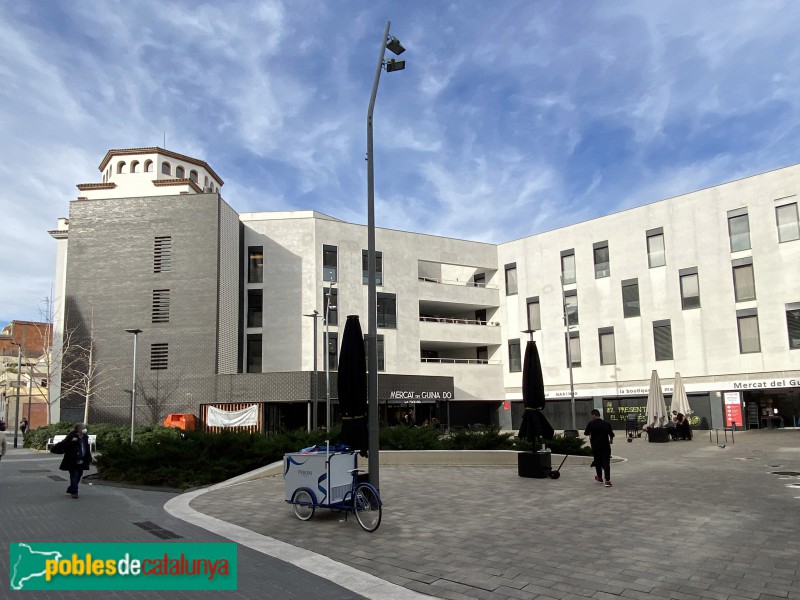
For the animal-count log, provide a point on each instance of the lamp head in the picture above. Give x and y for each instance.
(133, 331)
(395, 46)
(395, 65)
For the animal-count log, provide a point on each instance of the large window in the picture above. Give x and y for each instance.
(662, 339)
(602, 261)
(255, 308)
(747, 325)
(568, 266)
(534, 314)
(329, 260)
(159, 356)
(330, 305)
(574, 349)
(739, 230)
(333, 351)
(254, 353)
(511, 279)
(656, 255)
(160, 308)
(387, 310)
(381, 353)
(514, 357)
(608, 351)
(365, 267)
(690, 288)
(788, 224)
(571, 306)
(630, 298)
(793, 325)
(255, 264)
(744, 283)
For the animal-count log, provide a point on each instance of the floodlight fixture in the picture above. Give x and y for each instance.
(395, 46)
(395, 65)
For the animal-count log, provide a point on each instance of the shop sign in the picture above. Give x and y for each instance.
(761, 384)
(411, 396)
(733, 409)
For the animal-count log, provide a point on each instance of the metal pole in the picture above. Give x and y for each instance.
(133, 386)
(372, 300)
(328, 360)
(16, 412)
(315, 383)
(569, 353)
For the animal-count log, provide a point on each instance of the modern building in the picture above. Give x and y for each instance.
(705, 284)
(24, 372)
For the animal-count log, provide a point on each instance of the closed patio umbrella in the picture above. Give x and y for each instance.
(680, 403)
(534, 423)
(352, 387)
(657, 414)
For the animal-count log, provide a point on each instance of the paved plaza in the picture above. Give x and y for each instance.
(684, 520)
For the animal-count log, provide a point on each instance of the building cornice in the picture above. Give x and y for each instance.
(59, 234)
(168, 182)
(156, 150)
(95, 186)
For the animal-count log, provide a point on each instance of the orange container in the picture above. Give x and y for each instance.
(180, 421)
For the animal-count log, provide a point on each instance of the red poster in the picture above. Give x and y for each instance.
(733, 409)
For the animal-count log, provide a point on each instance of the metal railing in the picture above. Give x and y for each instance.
(458, 321)
(478, 284)
(460, 361)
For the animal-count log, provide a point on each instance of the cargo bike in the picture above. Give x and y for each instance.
(330, 479)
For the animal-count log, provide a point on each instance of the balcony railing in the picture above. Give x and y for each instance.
(458, 321)
(461, 361)
(478, 284)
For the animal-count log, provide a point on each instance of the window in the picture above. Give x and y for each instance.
(656, 255)
(744, 283)
(333, 351)
(788, 224)
(574, 349)
(630, 298)
(602, 264)
(193, 175)
(365, 267)
(160, 309)
(254, 350)
(387, 311)
(255, 264)
(793, 325)
(662, 339)
(690, 288)
(534, 314)
(739, 229)
(479, 280)
(330, 305)
(180, 172)
(255, 308)
(747, 325)
(134, 166)
(380, 352)
(166, 169)
(571, 306)
(568, 266)
(148, 166)
(162, 254)
(121, 167)
(608, 352)
(511, 279)
(159, 357)
(514, 360)
(329, 254)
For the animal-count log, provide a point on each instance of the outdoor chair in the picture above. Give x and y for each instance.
(632, 426)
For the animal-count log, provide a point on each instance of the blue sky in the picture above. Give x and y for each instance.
(511, 118)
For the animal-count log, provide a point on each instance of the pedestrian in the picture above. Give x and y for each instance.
(601, 436)
(2, 446)
(23, 425)
(77, 456)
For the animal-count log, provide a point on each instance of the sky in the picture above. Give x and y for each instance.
(510, 118)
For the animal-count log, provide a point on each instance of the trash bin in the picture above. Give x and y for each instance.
(180, 421)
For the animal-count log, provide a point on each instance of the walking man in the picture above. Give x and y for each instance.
(601, 436)
(77, 456)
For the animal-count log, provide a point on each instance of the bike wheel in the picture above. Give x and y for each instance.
(303, 505)
(367, 506)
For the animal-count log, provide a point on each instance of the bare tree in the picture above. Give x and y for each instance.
(157, 394)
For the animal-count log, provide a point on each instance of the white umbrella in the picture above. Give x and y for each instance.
(680, 402)
(657, 415)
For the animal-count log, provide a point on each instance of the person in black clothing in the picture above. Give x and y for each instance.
(601, 436)
(77, 456)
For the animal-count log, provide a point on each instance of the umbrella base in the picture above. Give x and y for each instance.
(658, 435)
(534, 464)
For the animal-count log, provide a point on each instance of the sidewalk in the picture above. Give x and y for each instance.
(684, 520)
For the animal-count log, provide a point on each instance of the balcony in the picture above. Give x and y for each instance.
(473, 332)
(460, 292)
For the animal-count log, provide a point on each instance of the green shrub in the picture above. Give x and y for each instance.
(409, 438)
(487, 439)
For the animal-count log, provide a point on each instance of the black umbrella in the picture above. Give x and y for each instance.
(534, 423)
(352, 387)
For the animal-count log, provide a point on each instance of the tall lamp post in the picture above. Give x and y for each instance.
(312, 424)
(19, 372)
(135, 333)
(569, 352)
(396, 47)
(329, 296)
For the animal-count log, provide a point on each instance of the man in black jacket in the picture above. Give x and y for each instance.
(77, 456)
(601, 436)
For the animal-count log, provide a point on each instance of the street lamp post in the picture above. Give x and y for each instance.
(569, 353)
(135, 333)
(19, 372)
(313, 421)
(328, 358)
(372, 301)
